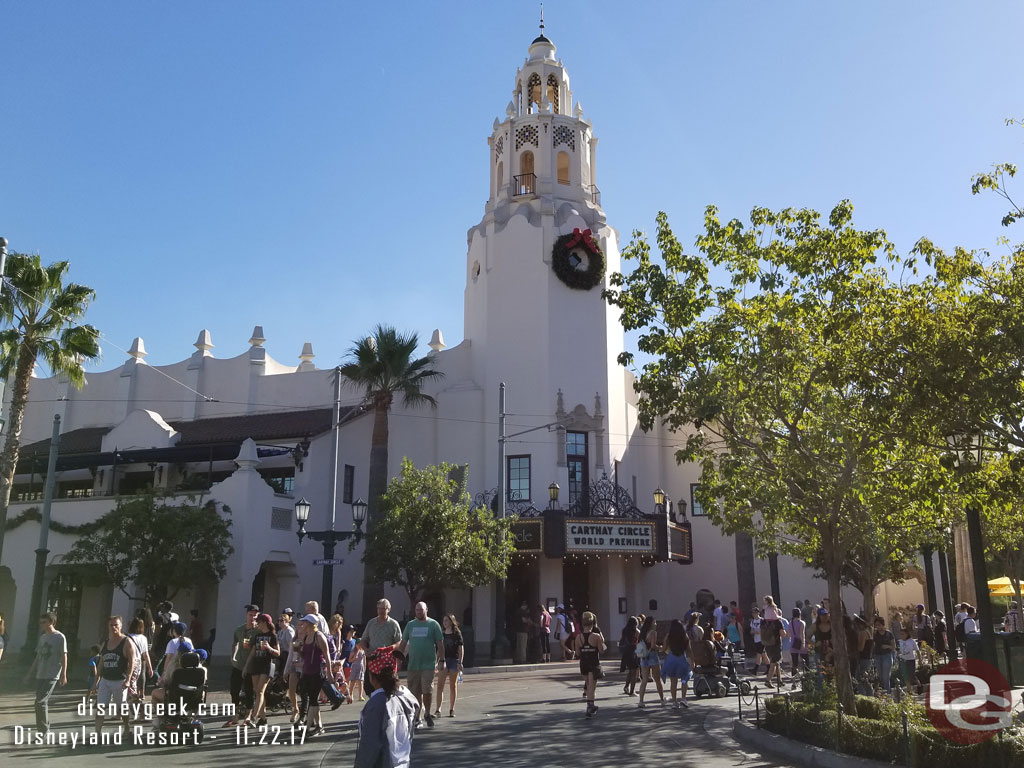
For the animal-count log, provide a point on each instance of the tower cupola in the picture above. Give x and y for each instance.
(544, 147)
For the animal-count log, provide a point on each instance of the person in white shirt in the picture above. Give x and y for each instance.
(908, 659)
(1011, 621)
(961, 614)
(717, 615)
(970, 624)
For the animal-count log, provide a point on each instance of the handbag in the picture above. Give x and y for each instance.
(599, 672)
(641, 650)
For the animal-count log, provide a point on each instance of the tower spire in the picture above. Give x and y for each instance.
(542, 19)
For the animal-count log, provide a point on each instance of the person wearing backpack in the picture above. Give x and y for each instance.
(771, 638)
(559, 630)
(647, 654)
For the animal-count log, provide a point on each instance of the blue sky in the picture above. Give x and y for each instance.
(313, 167)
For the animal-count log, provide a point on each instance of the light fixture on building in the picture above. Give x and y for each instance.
(659, 498)
(553, 490)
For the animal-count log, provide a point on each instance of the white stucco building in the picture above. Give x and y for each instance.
(257, 433)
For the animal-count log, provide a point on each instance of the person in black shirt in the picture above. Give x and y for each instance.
(453, 653)
(262, 649)
(590, 645)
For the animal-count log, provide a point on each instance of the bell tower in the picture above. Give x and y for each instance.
(543, 147)
(536, 265)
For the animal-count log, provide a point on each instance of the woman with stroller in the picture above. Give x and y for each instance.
(650, 663)
(262, 649)
(629, 664)
(314, 653)
(677, 666)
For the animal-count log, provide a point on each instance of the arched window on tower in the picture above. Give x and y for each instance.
(519, 97)
(499, 177)
(524, 183)
(563, 167)
(533, 92)
(553, 92)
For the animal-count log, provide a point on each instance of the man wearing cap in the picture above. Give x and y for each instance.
(241, 689)
(313, 607)
(425, 643)
(380, 632)
(559, 628)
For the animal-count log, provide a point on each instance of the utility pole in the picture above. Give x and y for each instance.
(500, 648)
(327, 588)
(36, 606)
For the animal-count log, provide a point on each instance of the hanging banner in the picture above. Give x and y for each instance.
(616, 537)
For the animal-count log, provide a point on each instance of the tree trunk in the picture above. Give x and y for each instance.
(844, 681)
(12, 444)
(746, 587)
(868, 581)
(373, 589)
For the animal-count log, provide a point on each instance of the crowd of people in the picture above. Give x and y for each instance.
(311, 661)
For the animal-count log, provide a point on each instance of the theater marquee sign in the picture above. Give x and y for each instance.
(617, 537)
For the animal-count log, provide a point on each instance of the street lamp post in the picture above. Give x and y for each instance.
(947, 596)
(329, 538)
(968, 450)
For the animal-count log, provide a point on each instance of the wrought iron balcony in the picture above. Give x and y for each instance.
(524, 184)
(595, 194)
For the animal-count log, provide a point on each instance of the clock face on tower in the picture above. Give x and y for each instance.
(577, 260)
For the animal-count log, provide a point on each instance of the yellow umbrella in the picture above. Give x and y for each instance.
(1001, 592)
(1002, 581)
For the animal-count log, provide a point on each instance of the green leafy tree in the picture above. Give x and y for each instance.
(42, 314)
(159, 545)
(768, 375)
(430, 536)
(1003, 513)
(383, 365)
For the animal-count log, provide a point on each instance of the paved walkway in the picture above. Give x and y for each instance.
(524, 718)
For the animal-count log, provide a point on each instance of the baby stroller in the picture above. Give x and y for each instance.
(714, 673)
(275, 697)
(186, 693)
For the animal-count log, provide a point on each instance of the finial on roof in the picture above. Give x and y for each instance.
(541, 38)
(437, 341)
(257, 336)
(306, 356)
(204, 343)
(137, 349)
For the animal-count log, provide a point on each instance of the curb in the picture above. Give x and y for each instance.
(556, 666)
(796, 752)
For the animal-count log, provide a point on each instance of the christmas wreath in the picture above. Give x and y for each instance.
(568, 264)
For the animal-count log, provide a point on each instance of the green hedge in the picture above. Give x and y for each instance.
(881, 739)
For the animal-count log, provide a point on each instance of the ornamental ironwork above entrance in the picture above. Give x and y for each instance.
(602, 498)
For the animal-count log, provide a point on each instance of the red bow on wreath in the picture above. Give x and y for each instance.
(579, 236)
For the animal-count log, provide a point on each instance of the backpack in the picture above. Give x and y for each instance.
(570, 628)
(960, 632)
(641, 650)
(769, 632)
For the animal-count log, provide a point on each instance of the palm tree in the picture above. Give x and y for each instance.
(43, 315)
(383, 366)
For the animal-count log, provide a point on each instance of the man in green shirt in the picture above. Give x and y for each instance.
(425, 641)
(241, 687)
